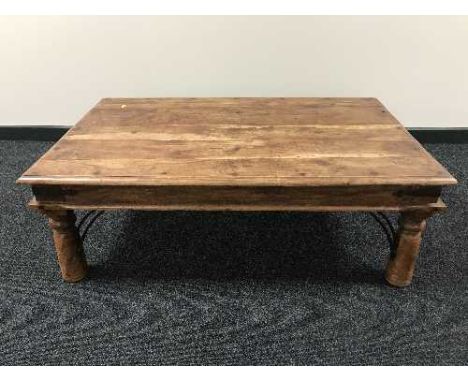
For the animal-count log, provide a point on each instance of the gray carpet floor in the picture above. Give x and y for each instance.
(230, 288)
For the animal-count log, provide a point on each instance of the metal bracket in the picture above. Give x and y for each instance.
(384, 222)
(92, 216)
(387, 226)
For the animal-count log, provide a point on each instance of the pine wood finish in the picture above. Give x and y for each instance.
(245, 154)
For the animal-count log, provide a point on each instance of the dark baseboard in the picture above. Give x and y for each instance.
(32, 133)
(439, 135)
(54, 133)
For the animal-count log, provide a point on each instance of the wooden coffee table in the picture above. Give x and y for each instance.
(242, 154)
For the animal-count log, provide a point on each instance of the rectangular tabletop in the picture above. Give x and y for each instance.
(238, 142)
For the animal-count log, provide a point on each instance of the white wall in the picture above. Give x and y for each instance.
(52, 69)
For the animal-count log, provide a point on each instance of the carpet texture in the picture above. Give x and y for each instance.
(230, 288)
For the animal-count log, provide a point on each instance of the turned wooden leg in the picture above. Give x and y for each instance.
(70, 254)
(400, 268)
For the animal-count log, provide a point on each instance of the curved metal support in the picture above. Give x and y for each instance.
(385, 224)
(84, 218)
(389, 223)
(387, 227)
(90, 223)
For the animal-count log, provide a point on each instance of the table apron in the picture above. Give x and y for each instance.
(235, 198)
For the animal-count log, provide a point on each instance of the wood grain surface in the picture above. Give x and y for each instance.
(238, 141)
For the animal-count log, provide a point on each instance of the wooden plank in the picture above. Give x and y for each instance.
(282, 171)
(297, 111)
(174, 150)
